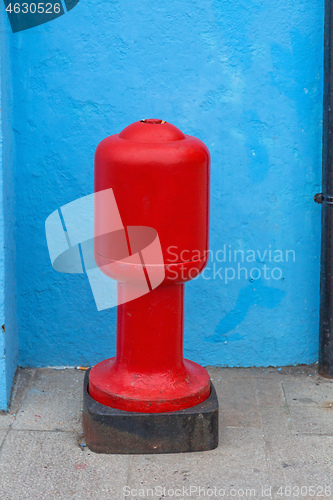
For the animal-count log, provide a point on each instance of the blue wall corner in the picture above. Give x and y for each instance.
(3, 392)
(244, 77)
(8, 282)
(3, 395)
(3, 380)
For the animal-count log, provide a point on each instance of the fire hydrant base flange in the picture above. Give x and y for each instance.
(109, 430)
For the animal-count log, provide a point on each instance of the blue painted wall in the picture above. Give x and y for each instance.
(246, 78)
(3, 395)
(9, 286)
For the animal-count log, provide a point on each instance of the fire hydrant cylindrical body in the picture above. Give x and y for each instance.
(160, 180)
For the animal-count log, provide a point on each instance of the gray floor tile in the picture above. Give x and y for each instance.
(276, 421)
(48, 465)
(285, 372)
(295, 460)
(238, 464)
(269, 392)
(308, 393)
(22, 382)
(53, 401)
(3, 433)
(6, 420)
(312, 420)
(238, 403)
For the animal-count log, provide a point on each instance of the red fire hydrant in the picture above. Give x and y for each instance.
(148, 398)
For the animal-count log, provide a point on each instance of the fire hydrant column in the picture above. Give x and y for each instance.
(160, 180)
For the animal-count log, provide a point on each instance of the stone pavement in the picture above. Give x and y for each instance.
(276, 441)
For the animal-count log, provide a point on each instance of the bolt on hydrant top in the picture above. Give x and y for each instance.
(152, 121)
(147, 131)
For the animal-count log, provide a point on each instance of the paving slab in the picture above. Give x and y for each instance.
(308, 393)
(312, 420)
(237, 402)
(22, 381)
(3, 433)
(296, 461)
(46, 465)
(271, 372)
(239, 464)
(6, 420)
(53, 401)
(269, 392)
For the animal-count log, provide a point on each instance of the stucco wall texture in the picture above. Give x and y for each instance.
(246, 78)
(8, 283)
(3, 395)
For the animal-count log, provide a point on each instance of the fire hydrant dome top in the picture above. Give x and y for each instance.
(152, 130)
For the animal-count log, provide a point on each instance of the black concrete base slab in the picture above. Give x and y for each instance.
(108, 430)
